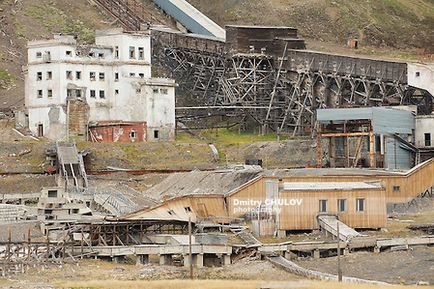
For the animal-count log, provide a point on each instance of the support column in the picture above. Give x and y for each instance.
(377, 250)
(165, 259)
(115, 259)
(371, 147)
(226, 259)
(281, 233)
(290, 255)
(199, 260)
(346, 251)
(142, 259)
(186, 260)
(316, 254)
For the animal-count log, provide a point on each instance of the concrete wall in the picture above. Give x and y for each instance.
(421, 76)
(424, 125)
(108, 75)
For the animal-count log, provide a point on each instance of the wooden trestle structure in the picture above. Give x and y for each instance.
(277, 84)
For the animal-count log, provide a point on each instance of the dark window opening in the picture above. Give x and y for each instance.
(101, 76)
(132, 52)
(49, 75)
(38, 54)
(92, 76)
(360, 205)
(69, 75)
(101, 94)
(39, 76)
(116, 76)
(141, 53)
(188, 209)
(133, 134)
(342, 205)
(40, 93)
(156, 133)
(78, 74)
(116, 52)
(322, 206)
(396, 189)
(427, 137)
(92, 94)
(75, 211)
(68, 53)
(40, 130)
(52, 194)
(417, 73)
(171, 212)
(49, 93)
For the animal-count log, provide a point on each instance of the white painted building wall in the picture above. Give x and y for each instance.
(424, 131)
(421, 76)
(108, 74)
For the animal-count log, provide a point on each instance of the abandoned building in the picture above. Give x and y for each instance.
(425, 136)
(69, 85)
(375, 137)
(290, 199)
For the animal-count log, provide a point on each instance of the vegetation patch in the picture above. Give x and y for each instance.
(7, 80)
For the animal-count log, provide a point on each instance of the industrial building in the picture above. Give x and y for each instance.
(69, 85)
(375, 137)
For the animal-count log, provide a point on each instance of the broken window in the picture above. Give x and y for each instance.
(396, 189)
(101, 94)
(100, 55)
(427, 137)
(132, 74)
(116, 91)
(138, 90)
(360, 205)
(69, 92)
(69, 75)
(187, 209)
(155, 90)
(101, 76)
(322, 206)
(156, 134)
(116, 52)
(38, 54)
(68, 53)
(39, 93)
(92, 76)
(132, 52)
(164, 91)
(141, 75)
(141, 53)
(39, 76)
(78, 93)
(78, 75)
(49, 75)
(92, 93)
(342, 205)
(116, 76)
(133, 134)
(49, 93)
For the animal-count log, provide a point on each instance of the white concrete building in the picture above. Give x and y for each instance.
(424, 131)
(112, 78)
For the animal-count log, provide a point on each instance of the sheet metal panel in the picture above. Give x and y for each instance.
(396, 157)
(190, 17)
(385, 120)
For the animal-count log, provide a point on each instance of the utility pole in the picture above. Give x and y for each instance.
(189, 248)
(339, 255)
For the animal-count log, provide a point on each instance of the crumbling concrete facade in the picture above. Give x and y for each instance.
(111, 78)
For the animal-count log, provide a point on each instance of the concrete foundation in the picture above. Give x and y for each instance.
(226, 260)
(199, 260)
(316, 254)
(165, 259)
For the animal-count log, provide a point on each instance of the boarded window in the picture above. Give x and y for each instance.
(342, 205)
(360, 205)
(52, 194)
(322, 206)
(69, 75)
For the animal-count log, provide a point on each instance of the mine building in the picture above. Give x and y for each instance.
(69, 85)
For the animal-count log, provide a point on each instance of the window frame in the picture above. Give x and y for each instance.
(344, 202)
(363, 201)
(320, 205)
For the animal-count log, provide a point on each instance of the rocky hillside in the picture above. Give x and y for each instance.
(391, 23)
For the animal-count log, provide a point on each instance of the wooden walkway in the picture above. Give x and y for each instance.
(330, 224)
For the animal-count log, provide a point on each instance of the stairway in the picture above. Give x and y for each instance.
(246, 236)
(330, 224)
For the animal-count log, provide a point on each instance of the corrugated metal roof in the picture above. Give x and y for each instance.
(385, 120)
(329, 186)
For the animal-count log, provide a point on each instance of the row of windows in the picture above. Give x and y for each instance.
(74, 92)
(342, 205)
(78, 75)
(68, 53)
(132, 52)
